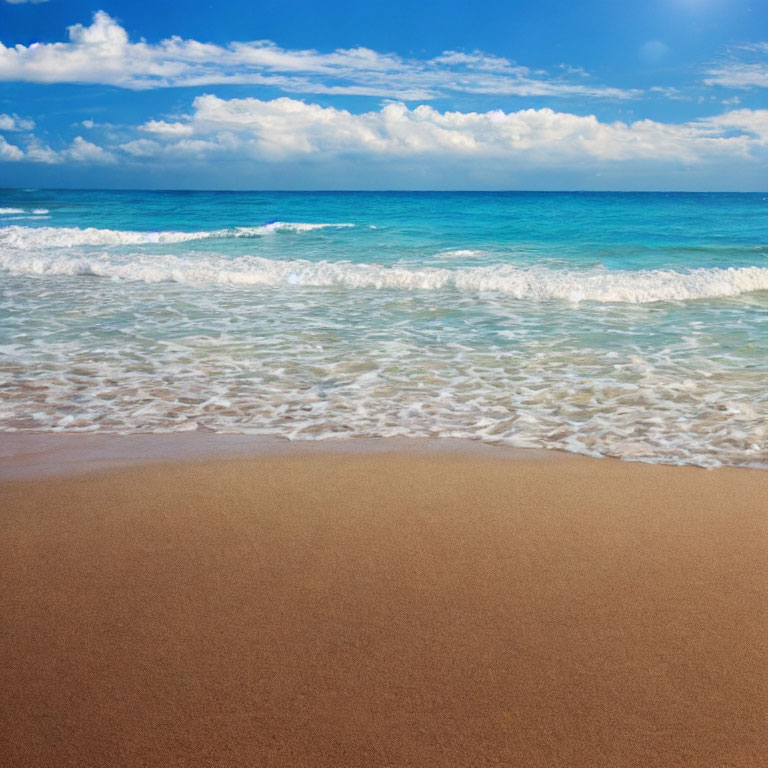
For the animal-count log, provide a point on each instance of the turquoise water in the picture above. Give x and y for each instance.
(630, 325)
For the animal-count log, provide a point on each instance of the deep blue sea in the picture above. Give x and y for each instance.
(616, 324)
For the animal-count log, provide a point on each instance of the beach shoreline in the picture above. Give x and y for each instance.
(30, 455)
(224, 601)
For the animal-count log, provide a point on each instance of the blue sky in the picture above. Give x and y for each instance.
(663, 94)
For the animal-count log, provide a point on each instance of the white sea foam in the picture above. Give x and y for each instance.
(36, 238)
(39, 238)
(13, 212)
(533, 283)
(296, 369)
(462, 253)
(288, 226)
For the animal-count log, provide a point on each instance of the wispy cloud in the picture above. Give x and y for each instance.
(746, 66)
(103, 53)
(670, 92)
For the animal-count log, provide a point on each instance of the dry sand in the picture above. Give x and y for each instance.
(388, 609)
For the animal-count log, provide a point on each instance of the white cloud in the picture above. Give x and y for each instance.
(142, 148)
(670, 92)
(286, 128)
(9, 152)
(15, 123)
(750, 124)
(167, 129)
(37, 152)
(91, 125)
(737, 75)
(478, 60)
(745, 67)
(82, 151)
(103, 53)
(79, 151)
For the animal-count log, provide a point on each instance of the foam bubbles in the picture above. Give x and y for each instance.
(461, 253)
(316, 330)
(21, 213)
(521, 283)
(132, 357)
(287, 226)
(38, 238)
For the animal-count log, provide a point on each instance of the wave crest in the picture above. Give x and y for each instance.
(534, 283)
(28, 238)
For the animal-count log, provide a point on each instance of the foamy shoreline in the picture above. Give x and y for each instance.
(28, 455)
(35, 455)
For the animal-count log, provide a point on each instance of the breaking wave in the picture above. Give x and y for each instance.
(533, 283)
(28, 238)
(12, 212)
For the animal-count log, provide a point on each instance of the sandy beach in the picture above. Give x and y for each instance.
(396, 607)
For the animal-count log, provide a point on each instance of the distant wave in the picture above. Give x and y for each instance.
(534, 283)
(64, 237)
(462, 253)
(34, 211)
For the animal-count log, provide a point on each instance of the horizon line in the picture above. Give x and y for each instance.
(393, 190)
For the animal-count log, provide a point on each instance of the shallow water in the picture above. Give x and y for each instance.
(630, 325)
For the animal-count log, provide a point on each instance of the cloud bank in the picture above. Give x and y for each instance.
(286, 129)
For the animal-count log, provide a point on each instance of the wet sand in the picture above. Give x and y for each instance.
(388, 607)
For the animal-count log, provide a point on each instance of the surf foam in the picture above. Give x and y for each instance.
(533, 283)
(27, 238)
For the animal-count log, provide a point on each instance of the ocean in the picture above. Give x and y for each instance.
(632, 325)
